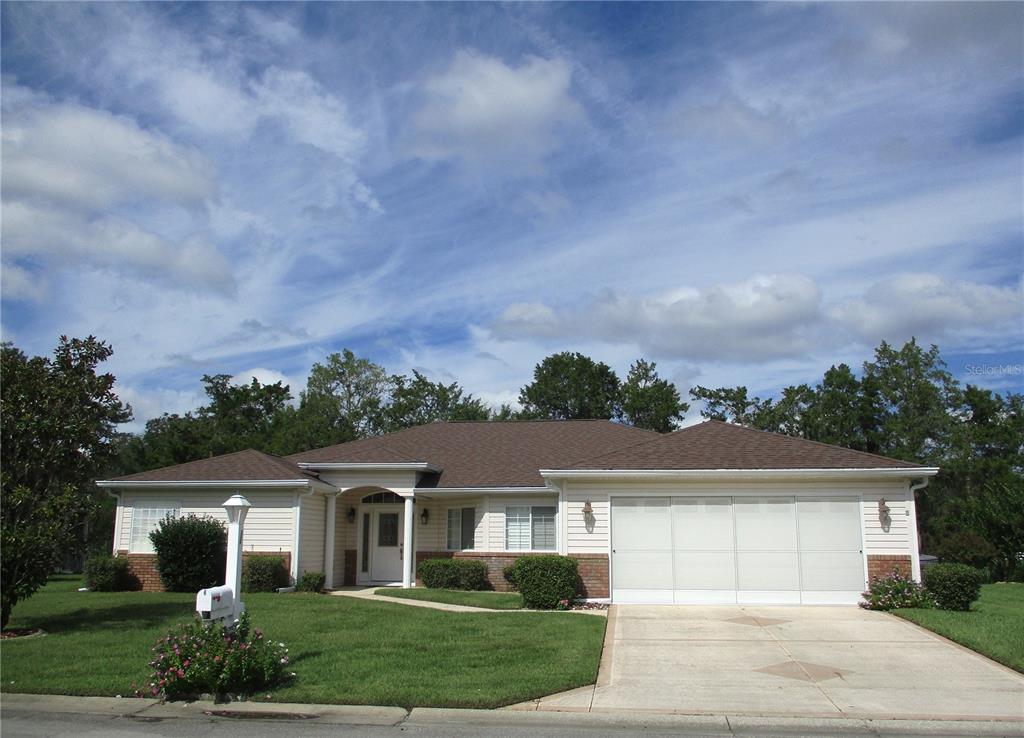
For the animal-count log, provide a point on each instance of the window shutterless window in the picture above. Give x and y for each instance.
(461, 528)
(146, 517)
(530, 528)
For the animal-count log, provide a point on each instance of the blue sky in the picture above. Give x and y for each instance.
(743, 193)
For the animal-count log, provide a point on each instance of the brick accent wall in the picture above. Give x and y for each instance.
(880, 565)
(593, 568)
(349, 576)
(144, 576)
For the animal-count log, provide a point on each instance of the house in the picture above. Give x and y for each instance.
(713, 513)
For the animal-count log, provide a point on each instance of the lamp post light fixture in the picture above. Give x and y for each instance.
(237, 507)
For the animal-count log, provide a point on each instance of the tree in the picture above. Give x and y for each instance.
(838, 413)
(570, 386)
(59, 417)
(419, 401)
(349, 394)
(649, 401)
(730, 404)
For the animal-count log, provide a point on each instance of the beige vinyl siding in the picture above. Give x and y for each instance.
(268, 524)
(495, 523)
(311, 540)
(876, 540)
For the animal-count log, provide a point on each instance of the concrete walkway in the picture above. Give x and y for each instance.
(812, 662)
(369, 593)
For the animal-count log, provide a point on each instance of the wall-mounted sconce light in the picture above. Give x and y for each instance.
(424, 516)
(883, 509)
(350, 516)
(588, 509)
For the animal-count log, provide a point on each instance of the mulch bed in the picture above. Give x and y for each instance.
(20, 633)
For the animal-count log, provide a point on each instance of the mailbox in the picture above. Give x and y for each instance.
(215, 603)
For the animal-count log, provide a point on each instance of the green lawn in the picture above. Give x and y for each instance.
(493, 600)
(994, 626)
(343, 650)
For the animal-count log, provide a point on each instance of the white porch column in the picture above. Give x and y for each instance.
(332, 501)
(408, 554)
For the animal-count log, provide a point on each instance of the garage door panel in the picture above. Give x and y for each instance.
(702, 524)
(765, 524)
(768, 571)
(823, 571)
(711, 570)
(642, 524)
(642, 570)
(829, 524)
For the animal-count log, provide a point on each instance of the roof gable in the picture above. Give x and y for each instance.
(247, 465)
(486, 453)
(714, 444)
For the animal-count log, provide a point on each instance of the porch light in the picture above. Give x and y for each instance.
(424, 516)
(588, 509)
(350, 516)
(883, 509)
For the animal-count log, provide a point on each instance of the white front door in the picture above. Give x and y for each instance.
(386, 543)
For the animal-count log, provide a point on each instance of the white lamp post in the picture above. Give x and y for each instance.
(236, 507)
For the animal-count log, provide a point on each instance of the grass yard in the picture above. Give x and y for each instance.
(493, 600)
(343, 650)
(994, 626)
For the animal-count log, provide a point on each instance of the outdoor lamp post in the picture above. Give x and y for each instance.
(236, 507)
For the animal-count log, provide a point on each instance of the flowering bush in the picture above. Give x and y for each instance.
(563, 604)
(198, 659)
(893, 591)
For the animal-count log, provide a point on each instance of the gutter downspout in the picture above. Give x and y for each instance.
(297, 538)
(915, 539)
(117, 520)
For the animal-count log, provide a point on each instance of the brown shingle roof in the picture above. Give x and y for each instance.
(248, 465)
(487, 454)
(717, 445)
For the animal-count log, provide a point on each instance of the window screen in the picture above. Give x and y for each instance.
(461, 528)
(517, 528)
(454, 528)
(146, 518)
(543, 528)
(468, 527)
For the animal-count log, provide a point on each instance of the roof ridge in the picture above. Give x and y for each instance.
(806, 440)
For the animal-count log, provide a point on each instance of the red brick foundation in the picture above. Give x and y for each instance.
(349, 577)
(880, 565)
(145, 577)
(593, 568)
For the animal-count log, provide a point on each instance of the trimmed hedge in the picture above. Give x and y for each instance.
(509, 573)
(105, 573)
(190, 552)
(545, 581)
(311, 581)
(453, 574)
(953, 586)
(264, 574)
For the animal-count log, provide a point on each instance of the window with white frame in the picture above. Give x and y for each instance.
(146, 516)
(530, 528)
(461, 528)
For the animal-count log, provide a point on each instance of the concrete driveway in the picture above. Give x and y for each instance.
(790, 661)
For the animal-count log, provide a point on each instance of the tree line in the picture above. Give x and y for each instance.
(60, 416)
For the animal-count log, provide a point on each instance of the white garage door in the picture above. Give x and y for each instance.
(780, 550)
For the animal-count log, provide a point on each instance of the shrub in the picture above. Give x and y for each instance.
(311, 581)
(213, 659)
(894, 591)
(544, 581)
(264, 574)
(453, 574)
(190, 552)
(953, 586)
(510, 576)
(106, 573)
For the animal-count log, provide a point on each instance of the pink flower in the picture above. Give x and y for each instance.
(217, 659)
(181, 672)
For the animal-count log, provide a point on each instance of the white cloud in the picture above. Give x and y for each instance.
(263, 376)
(89, 159)
(763, 317)
(931, 308)
(64, 236)
(19, 284)
(487, 114)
